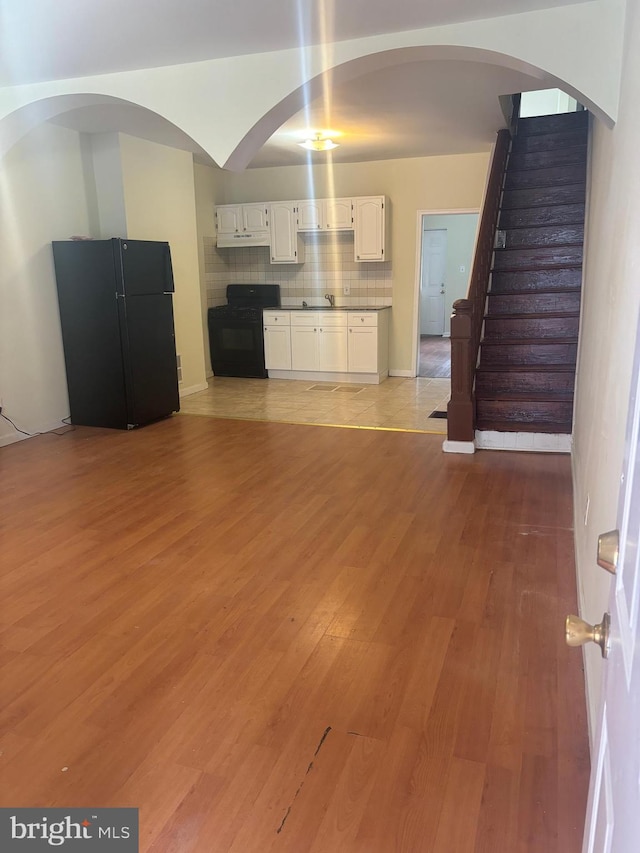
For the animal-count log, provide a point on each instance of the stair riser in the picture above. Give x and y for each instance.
(543, 196)
(522, 382)
(532, 280)
(514, 259)
(523, 412)
(545, 159)
(548, 141)
(552, 303)
(563, 214)
(561, 123)
(529, 355)
(554, 327)
(553, 177)
(549, 235)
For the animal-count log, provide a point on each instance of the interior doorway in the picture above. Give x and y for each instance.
(446, 252)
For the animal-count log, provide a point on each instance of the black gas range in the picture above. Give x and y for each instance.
(236, 337)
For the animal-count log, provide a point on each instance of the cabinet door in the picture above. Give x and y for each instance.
(338, 214)
(284, 235)
(310, 215)
(369, 226)
(363, 349)
(255, 217)
(304, 347)
(277, 347)
(332, 348)
(229, 218)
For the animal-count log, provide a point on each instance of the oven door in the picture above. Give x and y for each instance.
(236, 346)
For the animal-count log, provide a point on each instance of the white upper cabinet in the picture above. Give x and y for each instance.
(310, 215)
(276, 224)
(338, 215)
(242, 224)
(286, 246)
(229, 218)
(369, 213)
(329, 214)
(255, 217)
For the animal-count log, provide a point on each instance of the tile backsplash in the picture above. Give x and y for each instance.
(328, 267)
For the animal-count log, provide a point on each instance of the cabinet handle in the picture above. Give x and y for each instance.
(350, 331)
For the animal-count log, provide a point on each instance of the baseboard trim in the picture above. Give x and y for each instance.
(528, 442)
(326, 376)
(193, 389)
(5, 440)
(458, 446)
(406, 374)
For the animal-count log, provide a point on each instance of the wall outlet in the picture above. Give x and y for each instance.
(346, 289)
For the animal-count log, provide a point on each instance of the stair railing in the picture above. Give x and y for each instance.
(468, 314)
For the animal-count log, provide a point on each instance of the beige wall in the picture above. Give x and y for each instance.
(611, 300)
(42, 198)
(160, 205)
(208, 193)
(425, 183)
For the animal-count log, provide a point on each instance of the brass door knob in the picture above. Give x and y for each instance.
(608, 550)
(577, 632)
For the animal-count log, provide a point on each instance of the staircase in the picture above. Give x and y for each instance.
(526, 371)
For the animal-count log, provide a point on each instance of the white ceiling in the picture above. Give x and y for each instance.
(53, 39)
(408, 110)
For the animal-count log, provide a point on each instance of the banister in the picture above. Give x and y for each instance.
(468, 314)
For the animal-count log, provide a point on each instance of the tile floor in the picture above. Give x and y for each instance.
(402, 404)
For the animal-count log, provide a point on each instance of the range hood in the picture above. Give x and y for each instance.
(243, 238)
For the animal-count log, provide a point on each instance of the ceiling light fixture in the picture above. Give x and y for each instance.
(319, 143)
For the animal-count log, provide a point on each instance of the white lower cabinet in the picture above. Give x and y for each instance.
(363, 349)
(326, 345)
(277, 340)
(304, 348)
(332, 346)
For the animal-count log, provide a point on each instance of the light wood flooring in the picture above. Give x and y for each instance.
(402, 404)
(288, 638)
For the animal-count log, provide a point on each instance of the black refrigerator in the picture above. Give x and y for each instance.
(116, 311)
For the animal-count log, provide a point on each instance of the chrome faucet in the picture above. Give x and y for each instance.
(331, 298)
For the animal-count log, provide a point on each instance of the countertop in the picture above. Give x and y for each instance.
(358, 308)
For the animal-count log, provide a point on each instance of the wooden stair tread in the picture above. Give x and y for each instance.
(486, 425)
(526, 396)
(567, 266)
(547, 315)
(578, 220)
(545, 292)
(563, 189)
(526, 341)
(526, 368)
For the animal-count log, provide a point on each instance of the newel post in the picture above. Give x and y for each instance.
(461, 407)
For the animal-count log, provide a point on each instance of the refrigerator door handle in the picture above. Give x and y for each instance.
(169, 285)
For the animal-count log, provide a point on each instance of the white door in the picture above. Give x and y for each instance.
(432, 289)
(613, 811)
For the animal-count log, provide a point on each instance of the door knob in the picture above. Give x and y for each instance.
(577, 632)
(608, 550)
